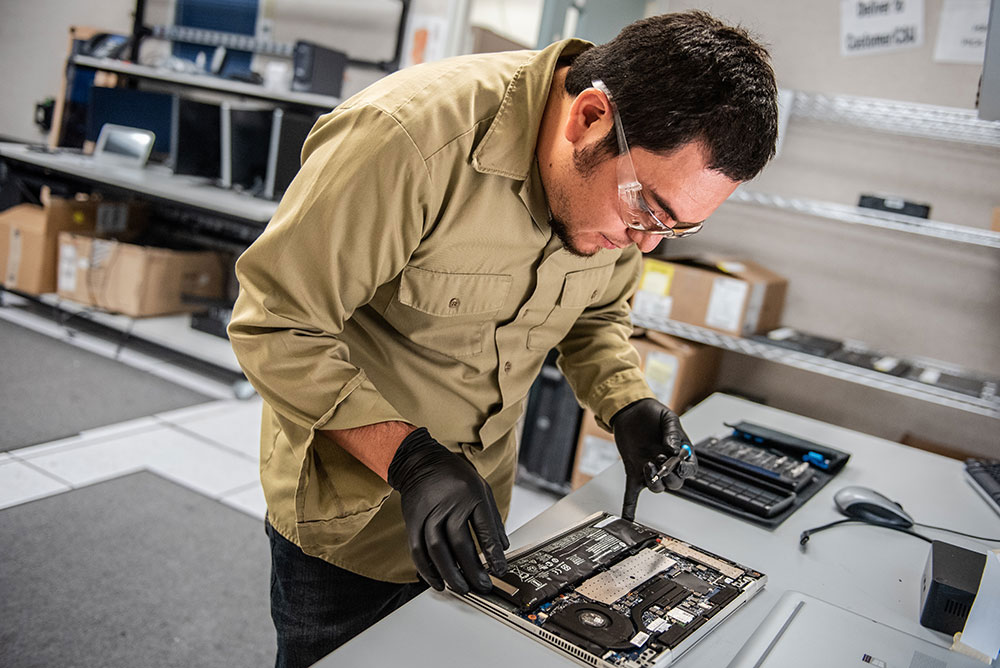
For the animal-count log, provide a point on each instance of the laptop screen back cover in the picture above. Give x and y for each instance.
(805, 631)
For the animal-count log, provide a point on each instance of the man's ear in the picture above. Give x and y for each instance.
(589, 118)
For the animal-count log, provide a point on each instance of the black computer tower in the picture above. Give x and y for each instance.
(551, 426)
(317, 69)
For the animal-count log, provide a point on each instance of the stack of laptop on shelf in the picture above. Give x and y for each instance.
(857, 354)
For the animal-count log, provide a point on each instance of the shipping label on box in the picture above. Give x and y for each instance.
(660, 369)
(13, 258)
(66, 278)
(595, 451)
(725, 304)
(596, 455)
(653, 300)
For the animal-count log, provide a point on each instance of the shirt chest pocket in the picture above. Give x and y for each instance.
(449, 313)
(580, 290)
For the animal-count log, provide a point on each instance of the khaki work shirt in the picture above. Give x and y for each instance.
(410, 274)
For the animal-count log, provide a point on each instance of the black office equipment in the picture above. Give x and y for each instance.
(922, 373)
(132, 108)
(551, 423)
(895, 205)
(246, 137)
(760, 474)
(949, 586)
(317, 69)
(213, 321)
(984, 476)
(793, 339)
(289, 130)
(875, 361)
(195, 146)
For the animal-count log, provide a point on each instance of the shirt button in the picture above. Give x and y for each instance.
(454, 303)
(507, 367)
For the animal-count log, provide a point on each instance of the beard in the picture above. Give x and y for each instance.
(585, 161)
(561, 231)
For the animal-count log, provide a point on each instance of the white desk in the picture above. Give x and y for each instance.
(153, 180)
(873, 571)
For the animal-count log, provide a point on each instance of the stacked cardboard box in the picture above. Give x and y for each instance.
(29, 241)
(136, 280)
(679, 372)
(733, 296)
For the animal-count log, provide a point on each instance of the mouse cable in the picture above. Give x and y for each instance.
(804, 536)
(958, 533)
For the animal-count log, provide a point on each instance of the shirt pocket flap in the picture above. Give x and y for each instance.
(583, 288)
(444, 294)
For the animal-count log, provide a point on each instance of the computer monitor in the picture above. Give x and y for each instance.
(288, 133)
(196, 147)
(246, 138)
(122, 146)
(131, 108)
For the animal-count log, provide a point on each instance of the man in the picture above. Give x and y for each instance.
(450, 225)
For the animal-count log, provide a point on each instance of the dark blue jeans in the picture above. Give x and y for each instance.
(317, 607)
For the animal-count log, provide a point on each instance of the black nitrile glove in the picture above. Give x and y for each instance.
(650, 439)
(441, 494)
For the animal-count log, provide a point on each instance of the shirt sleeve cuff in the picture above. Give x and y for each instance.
(359, 404)
(616, 393)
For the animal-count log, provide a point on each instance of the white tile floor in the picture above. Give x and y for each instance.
(210, 448)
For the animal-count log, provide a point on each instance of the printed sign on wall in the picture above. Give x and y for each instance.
(962, 32)
(880, 26)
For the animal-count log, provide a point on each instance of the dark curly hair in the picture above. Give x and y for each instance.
(685, 77)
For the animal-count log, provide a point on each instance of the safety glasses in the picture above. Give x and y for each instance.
(635, 212)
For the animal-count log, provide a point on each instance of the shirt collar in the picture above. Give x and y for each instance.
(508, 148)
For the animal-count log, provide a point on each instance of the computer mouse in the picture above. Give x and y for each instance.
(867, 505)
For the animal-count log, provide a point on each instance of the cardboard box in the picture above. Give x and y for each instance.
(679, 372)
(595, 451)
(135, 280)
(29, 241)
(737, 297)
(121, 220)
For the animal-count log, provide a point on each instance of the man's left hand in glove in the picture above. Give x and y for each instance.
(657, 453)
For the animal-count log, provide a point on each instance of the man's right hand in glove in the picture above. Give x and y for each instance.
(442, 494)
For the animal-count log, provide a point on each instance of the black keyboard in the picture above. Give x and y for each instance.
(754, 499)
(984, 476)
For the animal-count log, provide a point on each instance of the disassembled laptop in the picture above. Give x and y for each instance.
(609, 592)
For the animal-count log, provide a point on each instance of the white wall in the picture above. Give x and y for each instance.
(902, 293)
(34, 36)
(518, 20)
